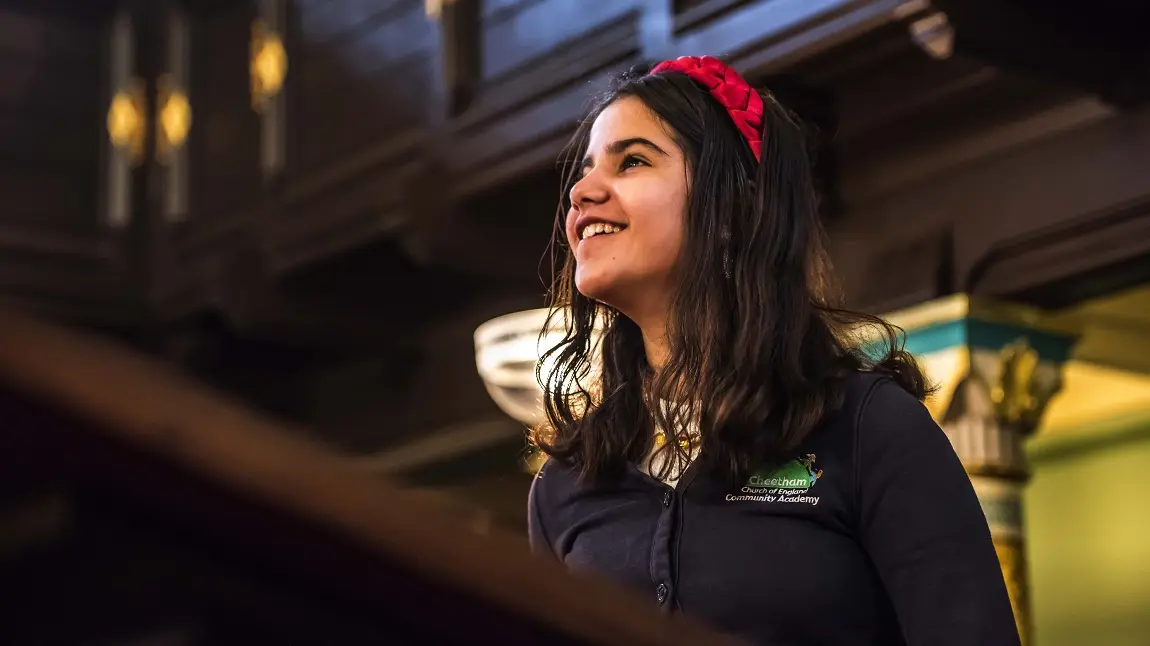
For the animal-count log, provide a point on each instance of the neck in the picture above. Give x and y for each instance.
(655, 345)
(650, 315)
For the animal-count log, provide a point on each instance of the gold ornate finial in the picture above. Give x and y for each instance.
(174, 118)
(127, 120)
(1019, 398)
(268, 65)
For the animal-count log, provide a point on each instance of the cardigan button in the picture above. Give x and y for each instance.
(661, 592)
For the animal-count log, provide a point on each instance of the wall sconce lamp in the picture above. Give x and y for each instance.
(127, 120)
(268, 65)
(173, 119)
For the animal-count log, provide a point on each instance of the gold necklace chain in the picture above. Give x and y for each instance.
(686, 439)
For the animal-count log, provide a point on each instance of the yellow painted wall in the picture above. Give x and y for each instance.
(1088, 526)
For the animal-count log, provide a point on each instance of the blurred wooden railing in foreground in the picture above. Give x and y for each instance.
(138, 508)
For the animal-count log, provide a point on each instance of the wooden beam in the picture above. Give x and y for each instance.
(209, 478)
(1101, 50)
(1076, 194)
(1113, 248)
(769, 35)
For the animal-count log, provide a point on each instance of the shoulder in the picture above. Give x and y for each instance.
(862, 390)
(889, 421)
(553, 483)
(880, 413)
(870, 396)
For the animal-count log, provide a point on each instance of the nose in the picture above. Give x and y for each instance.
(587, 191)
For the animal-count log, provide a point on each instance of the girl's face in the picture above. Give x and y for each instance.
(628, 212)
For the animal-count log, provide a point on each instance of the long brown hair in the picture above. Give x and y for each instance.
(755, 329)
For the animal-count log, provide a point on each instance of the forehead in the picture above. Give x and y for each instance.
(627, 118)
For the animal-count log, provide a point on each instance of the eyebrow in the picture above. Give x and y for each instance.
(620, 146)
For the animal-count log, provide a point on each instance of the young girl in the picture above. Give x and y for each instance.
(732, 447)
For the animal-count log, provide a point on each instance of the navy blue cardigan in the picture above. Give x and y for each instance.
(871, 535)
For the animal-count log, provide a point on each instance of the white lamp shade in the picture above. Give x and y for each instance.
(507, 350)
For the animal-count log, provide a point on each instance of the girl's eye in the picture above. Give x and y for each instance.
(631, 161)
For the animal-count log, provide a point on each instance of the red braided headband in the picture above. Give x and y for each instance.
(730, 89)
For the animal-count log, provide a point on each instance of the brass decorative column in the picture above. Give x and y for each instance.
(267, 71)
(174, 115)
(998, 369)
(126, 121)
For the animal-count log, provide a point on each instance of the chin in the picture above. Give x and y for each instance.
(596, 287)
(592, 290)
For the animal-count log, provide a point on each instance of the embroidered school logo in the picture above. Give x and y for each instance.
(788, 483)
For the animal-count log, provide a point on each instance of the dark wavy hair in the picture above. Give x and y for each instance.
(757, 343)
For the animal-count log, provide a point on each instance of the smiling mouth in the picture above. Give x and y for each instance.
(599, 229)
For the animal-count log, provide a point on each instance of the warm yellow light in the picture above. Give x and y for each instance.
(126, 120)
(123, 120)
(175, 120)
(1093, 393)
(268, 65)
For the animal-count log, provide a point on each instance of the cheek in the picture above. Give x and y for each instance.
(661, 216)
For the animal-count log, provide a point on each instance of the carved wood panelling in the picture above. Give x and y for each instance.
(493, 8)
(323, 225)
(224, 145)
(365, 73)
(536, 137)
(733, 32)
(1073, 178)
(536, 90)
(50, 123)
(536, 29)
(55, 254)
(374, 124)
(683, 6)
(688, 14)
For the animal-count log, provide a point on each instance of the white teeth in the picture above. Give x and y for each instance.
(599, 227)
